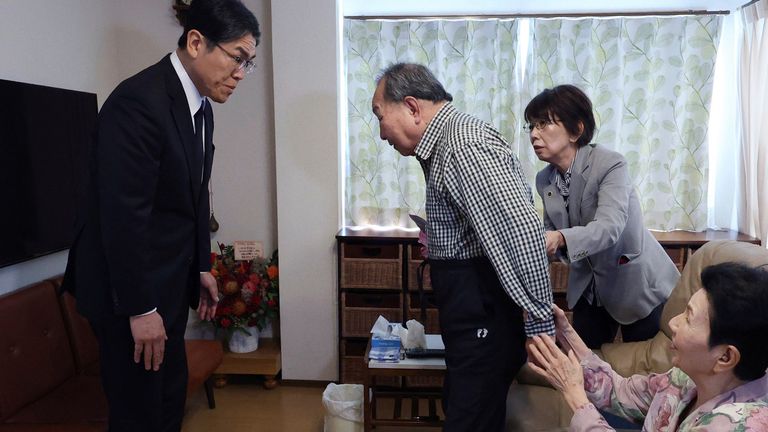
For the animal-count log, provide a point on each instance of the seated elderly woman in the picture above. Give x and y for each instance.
(718, 382)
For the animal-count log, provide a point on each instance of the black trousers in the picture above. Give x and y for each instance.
(141, 400)
(484, 343)
(596, 326)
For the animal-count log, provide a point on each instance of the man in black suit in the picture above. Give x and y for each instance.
(141, 254)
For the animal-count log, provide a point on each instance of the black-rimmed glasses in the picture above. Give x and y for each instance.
(538, 124)
(245, 65)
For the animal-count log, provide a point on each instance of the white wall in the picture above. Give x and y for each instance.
(306, 131)
(92, 45)
(65, 43)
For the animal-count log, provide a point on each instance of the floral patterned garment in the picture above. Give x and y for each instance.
(658, 400)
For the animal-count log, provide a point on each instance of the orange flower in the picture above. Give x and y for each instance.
(239, 307)
(230, 287)
(272, 271)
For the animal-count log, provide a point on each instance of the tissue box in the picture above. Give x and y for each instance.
(385, 348)
(385, 342)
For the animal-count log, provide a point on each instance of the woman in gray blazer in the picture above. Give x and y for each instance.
(619, 274)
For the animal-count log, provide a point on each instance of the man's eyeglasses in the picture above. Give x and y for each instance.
(538, 124)
(245, 65)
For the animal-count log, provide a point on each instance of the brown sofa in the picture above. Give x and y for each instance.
(532, 405)
(49, 367)
(42, 384)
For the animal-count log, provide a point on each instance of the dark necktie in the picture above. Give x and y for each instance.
(198, 152)
(208, 131)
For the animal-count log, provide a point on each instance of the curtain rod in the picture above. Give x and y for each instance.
(553, 15)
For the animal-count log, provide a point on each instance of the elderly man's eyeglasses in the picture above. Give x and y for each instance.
(245, 65)
(538, 124)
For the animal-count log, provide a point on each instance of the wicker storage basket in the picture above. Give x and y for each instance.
(359, 311)
(424, 381)
(414, 260)
(352, 370)
(558, 276)
(352, 360)
(371, 266)
(432, 326)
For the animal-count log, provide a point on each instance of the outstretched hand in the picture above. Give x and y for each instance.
(566, 335)
(562, 371)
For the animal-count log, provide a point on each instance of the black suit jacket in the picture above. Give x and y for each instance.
(142, 233)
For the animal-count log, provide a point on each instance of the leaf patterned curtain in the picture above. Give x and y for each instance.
(650, 80)
(476, 60)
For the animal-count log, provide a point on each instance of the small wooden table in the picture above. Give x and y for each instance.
(264, 361)
(423, 367)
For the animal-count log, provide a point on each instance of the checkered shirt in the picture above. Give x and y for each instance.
(479, 204)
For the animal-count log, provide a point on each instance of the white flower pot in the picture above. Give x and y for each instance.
(240, 342)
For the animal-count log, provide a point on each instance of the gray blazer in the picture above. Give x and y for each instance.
(602, 228)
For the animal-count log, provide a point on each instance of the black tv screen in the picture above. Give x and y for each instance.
(45, 134)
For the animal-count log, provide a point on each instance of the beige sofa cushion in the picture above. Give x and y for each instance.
(653, 355)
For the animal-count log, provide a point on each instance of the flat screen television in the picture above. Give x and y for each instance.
(45, 134)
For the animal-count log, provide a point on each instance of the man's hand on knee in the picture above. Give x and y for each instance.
(148, 338)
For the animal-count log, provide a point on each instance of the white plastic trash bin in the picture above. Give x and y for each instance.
(343, 408)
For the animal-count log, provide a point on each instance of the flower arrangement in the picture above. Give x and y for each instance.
(248, 290)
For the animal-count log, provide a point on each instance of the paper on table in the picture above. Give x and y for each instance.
(414, 338)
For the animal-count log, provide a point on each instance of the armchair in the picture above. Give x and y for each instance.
(531, 395)
(653, 355)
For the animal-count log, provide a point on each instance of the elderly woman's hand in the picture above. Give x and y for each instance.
(562, 371)
(566, 335)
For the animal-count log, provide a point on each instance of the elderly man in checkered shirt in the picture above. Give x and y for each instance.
(487, 255)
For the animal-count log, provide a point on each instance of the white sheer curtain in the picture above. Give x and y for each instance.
(753, 93)
(725, 132)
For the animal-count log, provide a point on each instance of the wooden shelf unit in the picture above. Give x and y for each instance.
(374, 266)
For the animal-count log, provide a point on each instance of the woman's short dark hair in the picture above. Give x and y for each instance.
(738, 314)
(411, 79)
(218, 20)
(568, 104)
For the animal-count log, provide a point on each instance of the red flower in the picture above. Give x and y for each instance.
(213, 257)
(254, 278)
(226, 322)
(256, 300)
(271, 303)
(249, 286)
